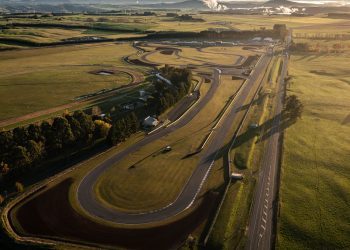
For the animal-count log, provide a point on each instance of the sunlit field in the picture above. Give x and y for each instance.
(49, 77)
(315, 171)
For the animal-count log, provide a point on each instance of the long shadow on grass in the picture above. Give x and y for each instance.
(256, 101)
(266, 130)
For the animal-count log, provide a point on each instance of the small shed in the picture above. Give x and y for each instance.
(268, 39)
(150, 122)
(236, 176)
(253, 125)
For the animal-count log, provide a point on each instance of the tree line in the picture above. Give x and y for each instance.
(167, 95)
(27, 147)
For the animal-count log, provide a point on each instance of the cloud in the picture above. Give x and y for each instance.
(214, 5)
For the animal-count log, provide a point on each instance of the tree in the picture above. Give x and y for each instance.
(86, 124)
(20, 157)
(134, 122)
(101, 129)
(19, 187)
(118, 132)
(35, 151)
(47, 133)
(281, 29)
(34, 133)
(63, 135)
(20, 136)
(293, 107)
(6, 144)
(75, 127)
(4, 168)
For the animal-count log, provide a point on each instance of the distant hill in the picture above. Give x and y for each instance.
(276, 3)
(187, 4)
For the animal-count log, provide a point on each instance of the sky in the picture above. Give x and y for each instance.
(308, 1)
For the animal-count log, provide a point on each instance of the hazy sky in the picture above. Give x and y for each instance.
(310, 1)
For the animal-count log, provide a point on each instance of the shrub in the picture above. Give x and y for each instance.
(19, 187)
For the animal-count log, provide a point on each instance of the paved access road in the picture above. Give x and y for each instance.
(190, 191)
(260, 230)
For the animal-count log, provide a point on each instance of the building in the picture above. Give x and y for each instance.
(257, 39)
(268, 39)
(150, 122)
(160, 77)
(236, 176)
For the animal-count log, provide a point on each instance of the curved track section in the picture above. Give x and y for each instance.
(186, 198)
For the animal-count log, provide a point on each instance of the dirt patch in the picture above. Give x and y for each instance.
(249, 48)
(168, 48)
(142, 63)
(236, 78)
(346, 120)
(321, 72)
(49, 215)
(167, 52)
(103, 72)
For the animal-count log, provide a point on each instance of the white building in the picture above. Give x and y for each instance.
(160, 77)
(257, 39)
(268, 39)
(150, 122)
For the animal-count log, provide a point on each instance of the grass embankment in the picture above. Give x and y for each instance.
(315, 178)
(49, 77)
(147, 185)
(229, 229)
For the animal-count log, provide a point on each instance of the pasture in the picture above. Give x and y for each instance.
(314, 193)
(150, 179)
(38, 79)
(51, 35)
(197, 56)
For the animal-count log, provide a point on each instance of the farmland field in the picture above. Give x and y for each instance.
(48, 77)
(315, 171)
(122, 173)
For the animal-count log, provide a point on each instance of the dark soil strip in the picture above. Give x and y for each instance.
(50, 215)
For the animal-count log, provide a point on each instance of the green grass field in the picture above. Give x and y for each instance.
(37, 79)
(315, 181)
(315, 173)
(196, 57)
(147, 185)
(313, 24)
(51, 35)
(230, 227)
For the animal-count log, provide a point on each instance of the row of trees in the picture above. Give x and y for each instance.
(322, 36)
(327, 48)
(166, 95)
(26, 147)
(122, 129)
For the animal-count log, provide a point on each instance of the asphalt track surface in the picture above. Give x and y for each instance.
(85, 192)
(260, 230)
